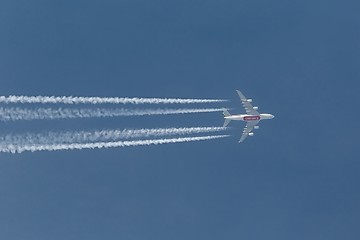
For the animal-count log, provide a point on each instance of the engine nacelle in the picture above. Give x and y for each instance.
(249, 100)
(255, 108)
(251, 134)
(256, 127)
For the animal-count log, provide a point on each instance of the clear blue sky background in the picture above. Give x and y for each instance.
(298, 178)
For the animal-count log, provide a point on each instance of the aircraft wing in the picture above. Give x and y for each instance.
(248, 128)
(247, 105)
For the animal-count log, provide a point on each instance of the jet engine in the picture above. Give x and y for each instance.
(249, 100)
(251, 134)
(256, 127)
(255, 108)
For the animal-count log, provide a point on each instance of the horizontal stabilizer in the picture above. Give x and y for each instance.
(226, 122)
(226, 112)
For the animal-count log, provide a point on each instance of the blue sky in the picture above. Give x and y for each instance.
(296, 179)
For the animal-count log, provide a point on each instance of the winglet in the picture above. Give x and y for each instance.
(242, 96)
(242, 138)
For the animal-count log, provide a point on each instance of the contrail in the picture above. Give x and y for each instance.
(99, 136)
(102, 100)
(15, 114)
(79, 146)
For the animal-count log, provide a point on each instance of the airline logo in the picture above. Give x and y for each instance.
(251, 118)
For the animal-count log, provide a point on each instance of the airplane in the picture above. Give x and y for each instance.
(252, 116)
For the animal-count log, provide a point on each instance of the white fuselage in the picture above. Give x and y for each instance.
(249, 118)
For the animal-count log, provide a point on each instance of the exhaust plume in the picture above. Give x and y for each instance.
(99, 136)
(79, 146)
(15, 114)
(102, 100)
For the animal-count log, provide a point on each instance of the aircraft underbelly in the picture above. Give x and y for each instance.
(235, 117)
(251, 118)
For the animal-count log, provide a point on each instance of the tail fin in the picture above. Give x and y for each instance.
(226, 114)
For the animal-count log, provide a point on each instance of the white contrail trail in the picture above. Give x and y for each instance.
(79, 146)
(100, 136)
(15, 114)
(102, 100)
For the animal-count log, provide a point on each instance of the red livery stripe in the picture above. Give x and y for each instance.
(251, 118)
